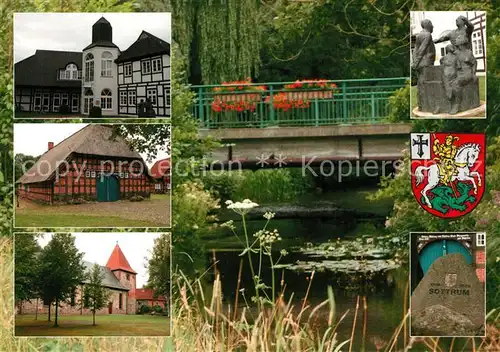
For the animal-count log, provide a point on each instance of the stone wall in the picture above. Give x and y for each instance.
(30, 307)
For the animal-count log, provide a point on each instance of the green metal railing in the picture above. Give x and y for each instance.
(353, 101)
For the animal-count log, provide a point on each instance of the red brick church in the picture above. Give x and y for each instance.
(119, 278)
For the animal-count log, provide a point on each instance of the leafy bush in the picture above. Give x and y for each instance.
(96, 111)
(136, 198)
(64, 109)
(158, 309)
(145, 309)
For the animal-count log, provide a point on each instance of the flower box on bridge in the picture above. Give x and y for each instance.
(310, 89)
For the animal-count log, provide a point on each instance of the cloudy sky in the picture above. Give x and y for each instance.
(73, 31)
(442, 20)
(97, 248)
(32, 138)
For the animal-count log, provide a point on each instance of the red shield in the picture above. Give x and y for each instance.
(447, 172)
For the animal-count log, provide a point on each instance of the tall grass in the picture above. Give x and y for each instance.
(262, 186)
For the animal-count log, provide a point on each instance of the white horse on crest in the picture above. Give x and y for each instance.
(465, 159)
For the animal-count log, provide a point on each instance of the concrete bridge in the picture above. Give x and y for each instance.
(285, 124)
(274, 147)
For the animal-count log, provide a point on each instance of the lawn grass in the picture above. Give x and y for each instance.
(160, 196)
(77, 220)
(482, 92)
(81, 325)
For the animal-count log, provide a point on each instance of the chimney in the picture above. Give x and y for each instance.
(50, 145)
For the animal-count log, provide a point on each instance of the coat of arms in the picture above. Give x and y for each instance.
(447, 172)
(450, 280)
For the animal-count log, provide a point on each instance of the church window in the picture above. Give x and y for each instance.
(106, 64)
(146, 67)
(89, 68)
(128, 276)
(120, 301)
(106, 99)
(127, 69)
(156, 65)
(56, 101)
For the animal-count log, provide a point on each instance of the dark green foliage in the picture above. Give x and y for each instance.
(64, 109)
(157, 309)
(145, 309)
(26, 267)
(96, 111)
(159, 266)
(22, 164)
(61, 269)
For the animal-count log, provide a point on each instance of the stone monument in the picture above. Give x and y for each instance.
(449, 300)
(451, 88)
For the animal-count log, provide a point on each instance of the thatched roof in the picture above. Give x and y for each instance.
(90, 140)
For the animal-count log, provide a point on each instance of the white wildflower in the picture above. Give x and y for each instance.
(268, 215)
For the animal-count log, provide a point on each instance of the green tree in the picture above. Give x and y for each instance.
(26, 266)
(94, 293)
(22, 163)
(159, 266)
(221, 38)
(61, 270)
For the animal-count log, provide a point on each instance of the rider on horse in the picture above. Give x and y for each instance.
(445, 155)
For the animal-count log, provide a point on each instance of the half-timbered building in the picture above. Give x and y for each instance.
(100, 75)
(90, 165)
(144, 73)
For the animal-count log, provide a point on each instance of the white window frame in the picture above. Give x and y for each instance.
(127, 69)
(155, 95)
(157, 186)
(37, 107)
(146, 67)
(89, 67)
(92, 174)
(55, 107)
(480, 239)
(132, 98)
(106, 64)
(75, 102)
(65, 98)
(106, 99)
(156, 65)
(46, 107)
(123, 98)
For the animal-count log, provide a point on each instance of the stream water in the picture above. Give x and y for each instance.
(381, 292)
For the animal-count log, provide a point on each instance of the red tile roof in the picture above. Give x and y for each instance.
(147, 294)
(161, 168)
(117, 261)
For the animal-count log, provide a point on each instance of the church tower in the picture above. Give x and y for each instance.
(119, 265)
(99, 74)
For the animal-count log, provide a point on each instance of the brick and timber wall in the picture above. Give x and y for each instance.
(40, 192)
(78, 179)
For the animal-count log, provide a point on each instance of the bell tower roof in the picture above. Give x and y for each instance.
(102, 34)
(118, 261)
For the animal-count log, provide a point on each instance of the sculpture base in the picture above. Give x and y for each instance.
(477, 113)
(432, 96)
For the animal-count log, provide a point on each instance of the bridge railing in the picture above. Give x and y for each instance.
(276, 104)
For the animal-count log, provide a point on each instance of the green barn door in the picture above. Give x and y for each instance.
(108, 188)
(437, 249)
